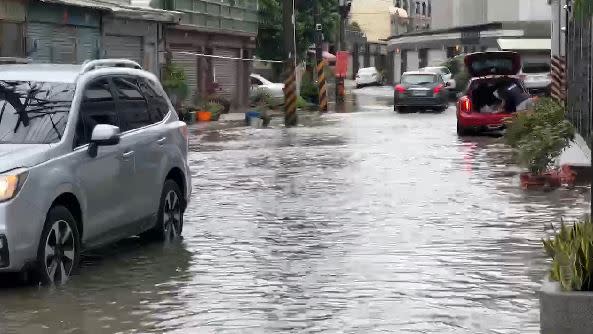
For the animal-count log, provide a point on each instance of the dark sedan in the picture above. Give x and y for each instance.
(422, 91)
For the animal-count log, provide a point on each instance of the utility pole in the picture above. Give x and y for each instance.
(290, 91)
(344, 10)
(320, 62)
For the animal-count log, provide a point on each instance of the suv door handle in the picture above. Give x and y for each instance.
(161, 141)
(128, 154)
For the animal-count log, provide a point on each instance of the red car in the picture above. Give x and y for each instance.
(480, 109)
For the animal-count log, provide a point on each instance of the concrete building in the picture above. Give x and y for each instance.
(226, 29)
(463, 26)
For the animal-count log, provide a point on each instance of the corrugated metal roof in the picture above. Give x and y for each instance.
(119, 10)
(524, 43)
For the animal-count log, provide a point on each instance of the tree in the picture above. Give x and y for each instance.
(354, 26)
(270, 42)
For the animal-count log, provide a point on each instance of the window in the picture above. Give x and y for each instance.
(429, 9)
(158, 107)
(97, 107)
(418, 8)
(132, 106)
(424, 8)
(255, 82)
(34, 112)
(419, 79)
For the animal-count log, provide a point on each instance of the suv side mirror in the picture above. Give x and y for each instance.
(103, 135)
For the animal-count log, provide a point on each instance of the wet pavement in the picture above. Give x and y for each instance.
(355, 222)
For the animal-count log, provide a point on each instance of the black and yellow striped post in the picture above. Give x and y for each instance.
(322, 85)
(290, 95)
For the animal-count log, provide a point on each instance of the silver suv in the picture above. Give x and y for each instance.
(89, 154)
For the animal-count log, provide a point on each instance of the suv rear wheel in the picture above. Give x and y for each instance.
(59, 248)
(170, 216)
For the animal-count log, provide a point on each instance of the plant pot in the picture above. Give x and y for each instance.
(550, 179)
(564, 312)
(203, 116)
(190, 117)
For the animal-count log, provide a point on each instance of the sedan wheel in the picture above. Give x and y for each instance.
(59, 249)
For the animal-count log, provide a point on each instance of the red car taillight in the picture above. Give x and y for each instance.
(465, 105)
(438, 89)
(400, 89)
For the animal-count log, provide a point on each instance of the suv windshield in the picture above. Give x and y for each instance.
(418, 79)
(34, 112)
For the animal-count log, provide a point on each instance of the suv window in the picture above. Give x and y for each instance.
(158, 107)
(97, 107)
(132, 106)
(34, 112)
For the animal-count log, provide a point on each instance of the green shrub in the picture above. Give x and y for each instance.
(309, 90)
(539, 136)
(458, 72)
(262, 100)
(571, 251)
(301, 103)
(175, 82)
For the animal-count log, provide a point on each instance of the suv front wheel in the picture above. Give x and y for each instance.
(59, 247)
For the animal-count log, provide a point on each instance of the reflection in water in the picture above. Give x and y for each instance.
(356, 223)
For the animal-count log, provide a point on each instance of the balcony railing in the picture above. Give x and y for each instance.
(222, 15)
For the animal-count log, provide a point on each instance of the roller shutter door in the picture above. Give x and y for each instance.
(226, 73)
(63, 44)
(189, 63)
(127, 47)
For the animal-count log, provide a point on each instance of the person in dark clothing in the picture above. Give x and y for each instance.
(514, 97)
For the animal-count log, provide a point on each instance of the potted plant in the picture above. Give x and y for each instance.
(262, 104)
(175, 84)
(566, 296)
(539, 136)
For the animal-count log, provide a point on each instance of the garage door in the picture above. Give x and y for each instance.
(128, 47)
(189, 63)
(226, 72)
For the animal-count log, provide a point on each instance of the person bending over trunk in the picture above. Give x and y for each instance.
(514, 98)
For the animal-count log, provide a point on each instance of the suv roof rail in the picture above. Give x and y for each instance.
(90, 65)
(14, 60)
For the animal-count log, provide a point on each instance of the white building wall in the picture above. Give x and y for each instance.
(413, 61)
(397, 67)
(534, 10)
(436, 57)
(503, 10)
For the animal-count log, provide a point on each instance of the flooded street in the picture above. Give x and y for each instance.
(356, 222)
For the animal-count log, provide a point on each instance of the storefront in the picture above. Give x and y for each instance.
(226, 69)
(12, 18)
(63, 34)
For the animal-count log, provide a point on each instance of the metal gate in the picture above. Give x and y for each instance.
(579, 76)
(226, 73)
(189, 63)
(129, 47)
(62, 44)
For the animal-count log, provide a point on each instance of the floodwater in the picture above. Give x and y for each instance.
(365, 221)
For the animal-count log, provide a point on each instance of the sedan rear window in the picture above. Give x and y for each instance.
(536, 68)
(419, 79)
(34, 112)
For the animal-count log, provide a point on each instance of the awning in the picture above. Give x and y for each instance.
(517, 44)
(124, 11)
(328, 56)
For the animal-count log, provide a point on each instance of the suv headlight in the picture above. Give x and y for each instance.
(11, 182)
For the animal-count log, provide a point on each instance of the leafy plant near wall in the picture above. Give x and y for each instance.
(175, 82)
(309, 90)
(583, 9)
(539, 136)
(571, 250)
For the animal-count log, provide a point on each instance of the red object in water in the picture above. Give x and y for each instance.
(551, 179)
(342, 58)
